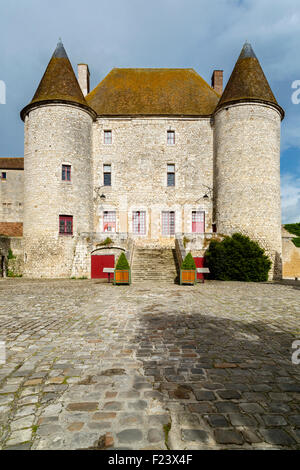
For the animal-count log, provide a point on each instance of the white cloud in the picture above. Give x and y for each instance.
(290, 198)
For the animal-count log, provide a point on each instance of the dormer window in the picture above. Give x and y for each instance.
(108, 137)
(171, 137)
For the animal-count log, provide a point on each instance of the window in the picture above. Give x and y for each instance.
(198, 221)
(109, 221)
(171, 175)
(171, 137)
(107, 175)
(3, 175)
(139, 222)
(66, 173)
(66, 225)
(168, 223)
(107, 137)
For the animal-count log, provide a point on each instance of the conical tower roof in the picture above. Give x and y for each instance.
(248, 82)
(59, 83)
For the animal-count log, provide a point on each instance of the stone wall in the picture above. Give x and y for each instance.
(138, 156)
(247, 176)
(290, 260)
(56, 135)
(11, 198)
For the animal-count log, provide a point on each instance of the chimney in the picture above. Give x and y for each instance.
(84, 78)
(217, 81)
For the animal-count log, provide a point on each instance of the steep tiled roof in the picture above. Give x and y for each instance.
(59, 82)
(11, 163)
(153, 92)
(248, 82)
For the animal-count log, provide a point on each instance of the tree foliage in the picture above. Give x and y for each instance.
(122, 262)
(237, 258)
(188, 262)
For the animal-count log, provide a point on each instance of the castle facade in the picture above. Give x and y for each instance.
(148, 156)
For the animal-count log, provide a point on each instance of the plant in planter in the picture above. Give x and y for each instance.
(188, 270)
(122, 271)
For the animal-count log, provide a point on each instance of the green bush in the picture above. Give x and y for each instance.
(122, 263)
(188, 262)
(294, 229)
(237, 258)
(107, 241)
(296, 242)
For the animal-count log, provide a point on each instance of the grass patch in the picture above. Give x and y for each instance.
(167, 429)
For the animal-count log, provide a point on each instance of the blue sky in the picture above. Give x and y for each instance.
(201, 34)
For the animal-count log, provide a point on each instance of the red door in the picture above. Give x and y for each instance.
(199, 264)
(99, 262)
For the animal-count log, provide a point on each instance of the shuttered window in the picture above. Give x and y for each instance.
(66, 173)
(66, 225)
(168, 223)
(107, 175)
(171, 175)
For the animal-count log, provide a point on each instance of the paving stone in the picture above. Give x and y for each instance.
(204, 395)
(130, 435)
(84, 406)
(101, 416)
(47, 429)
(238, 419)
(252, 408)
(228, 436)
(217, 421)
(229, 394)
(277, 436)
(155, 435)
(18, 437)
(274, 420)
(197, 435)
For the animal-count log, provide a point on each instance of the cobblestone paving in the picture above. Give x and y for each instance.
(150, 366)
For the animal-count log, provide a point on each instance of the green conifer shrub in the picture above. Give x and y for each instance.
(188, 262)
(237, 258)
(122, 263)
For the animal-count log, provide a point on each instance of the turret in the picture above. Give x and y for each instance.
(57, 171)
(247, 158)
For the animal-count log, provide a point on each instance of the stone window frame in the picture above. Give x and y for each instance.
(65, 219)
(66, 166)
(163, 224)
(171, 173)
(171, 140)
(107, 132)
(106, 173)
(197, 212)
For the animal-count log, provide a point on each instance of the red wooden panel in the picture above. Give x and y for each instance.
(199, 264)
(99, 262)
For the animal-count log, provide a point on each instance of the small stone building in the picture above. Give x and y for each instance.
(148, 156)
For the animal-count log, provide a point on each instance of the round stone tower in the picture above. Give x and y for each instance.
(247, 158)
(57, 172)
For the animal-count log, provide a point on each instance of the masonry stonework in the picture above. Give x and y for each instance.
(139, 155)
(55, 135)
(224, 151)
(247, 175)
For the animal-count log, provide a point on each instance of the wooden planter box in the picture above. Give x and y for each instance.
(122, 276)
(188, 276)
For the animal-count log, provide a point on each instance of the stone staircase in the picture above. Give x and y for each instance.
(154, 265)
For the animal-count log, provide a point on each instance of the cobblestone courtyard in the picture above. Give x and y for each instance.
(149, 366)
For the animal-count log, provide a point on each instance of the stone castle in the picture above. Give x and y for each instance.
(149, 158)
